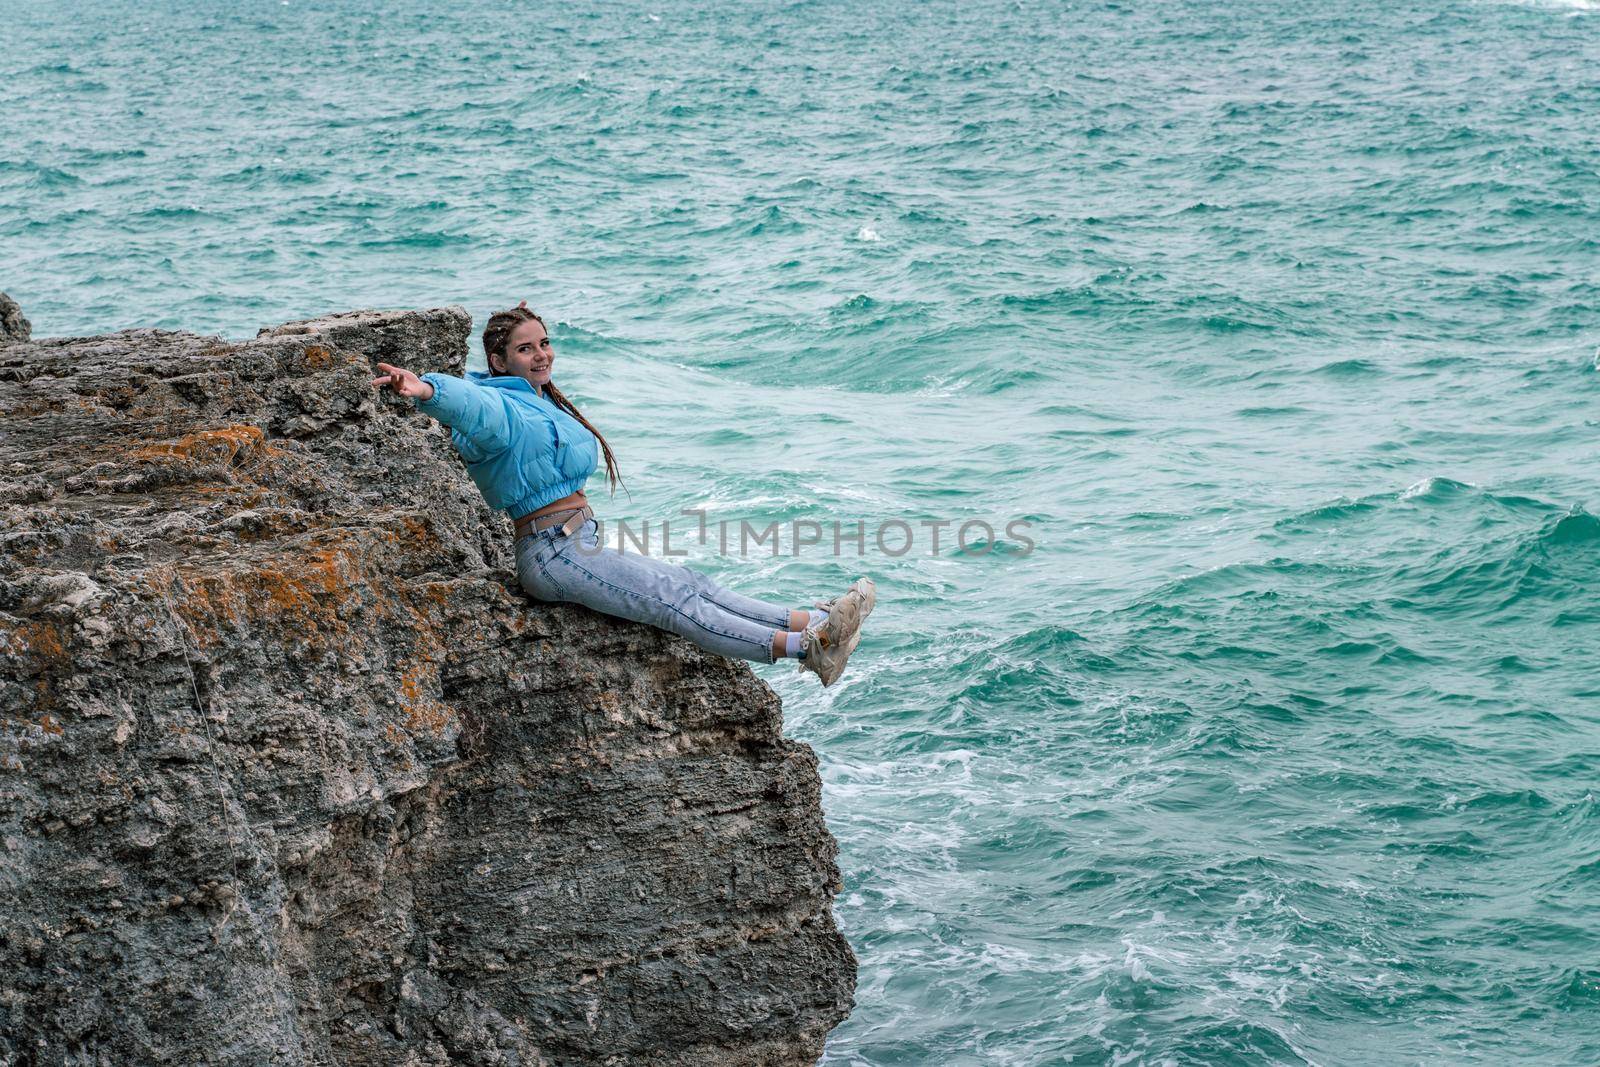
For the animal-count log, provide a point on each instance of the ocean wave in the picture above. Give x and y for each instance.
(421, 239)
(1348, 368)
(37, 175)
(1434, 492)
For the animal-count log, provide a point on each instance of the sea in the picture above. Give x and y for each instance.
(1242, 355)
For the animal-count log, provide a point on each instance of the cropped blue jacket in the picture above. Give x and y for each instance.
(521, 450)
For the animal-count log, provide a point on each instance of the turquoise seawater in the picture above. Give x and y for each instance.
(1278, 322)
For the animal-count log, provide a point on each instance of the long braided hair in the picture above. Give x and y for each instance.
(497, 331)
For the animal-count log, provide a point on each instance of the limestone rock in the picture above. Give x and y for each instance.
(13, 327)
(292, 773)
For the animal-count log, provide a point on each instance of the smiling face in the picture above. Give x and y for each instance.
(527, 354)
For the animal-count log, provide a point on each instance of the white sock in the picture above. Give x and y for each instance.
(791, 646)
(818, 617)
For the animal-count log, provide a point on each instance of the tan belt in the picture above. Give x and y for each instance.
(534, 523)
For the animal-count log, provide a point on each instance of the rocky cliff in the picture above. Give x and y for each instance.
(292, 773)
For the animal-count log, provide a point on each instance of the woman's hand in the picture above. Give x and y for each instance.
(403, 382)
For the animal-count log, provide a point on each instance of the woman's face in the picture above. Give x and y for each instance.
(528, 354)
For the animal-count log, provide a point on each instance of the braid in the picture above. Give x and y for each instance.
(497, 331)
(566, 405)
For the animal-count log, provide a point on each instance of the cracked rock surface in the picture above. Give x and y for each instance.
(292, 773)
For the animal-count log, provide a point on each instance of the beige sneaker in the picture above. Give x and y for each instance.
(868, 599)
(828, 646)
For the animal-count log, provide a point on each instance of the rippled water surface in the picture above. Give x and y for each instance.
(1277, 321)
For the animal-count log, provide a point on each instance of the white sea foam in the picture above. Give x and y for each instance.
(1422, 488)
(1572, 8)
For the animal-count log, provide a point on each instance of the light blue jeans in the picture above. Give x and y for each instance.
(551, 566)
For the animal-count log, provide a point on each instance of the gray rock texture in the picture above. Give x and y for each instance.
(292, 773)
(13, 327)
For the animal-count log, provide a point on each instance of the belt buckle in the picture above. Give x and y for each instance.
(571, 526)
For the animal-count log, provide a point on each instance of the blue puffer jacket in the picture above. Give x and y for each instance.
(522, 450)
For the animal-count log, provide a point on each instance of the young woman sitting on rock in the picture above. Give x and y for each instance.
(530, 452)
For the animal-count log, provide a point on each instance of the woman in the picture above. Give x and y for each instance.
(530, 452)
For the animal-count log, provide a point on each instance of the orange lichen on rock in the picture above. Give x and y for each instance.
(29, 408)
(41, 641)
(227, 442)
(306, 596)
(422, 711)
(417, 530)
(309, 590)
(318, 358)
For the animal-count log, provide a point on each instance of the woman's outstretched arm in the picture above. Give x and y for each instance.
(403, 382)
(472, 412)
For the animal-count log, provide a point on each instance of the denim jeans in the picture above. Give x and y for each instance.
(576, 569)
